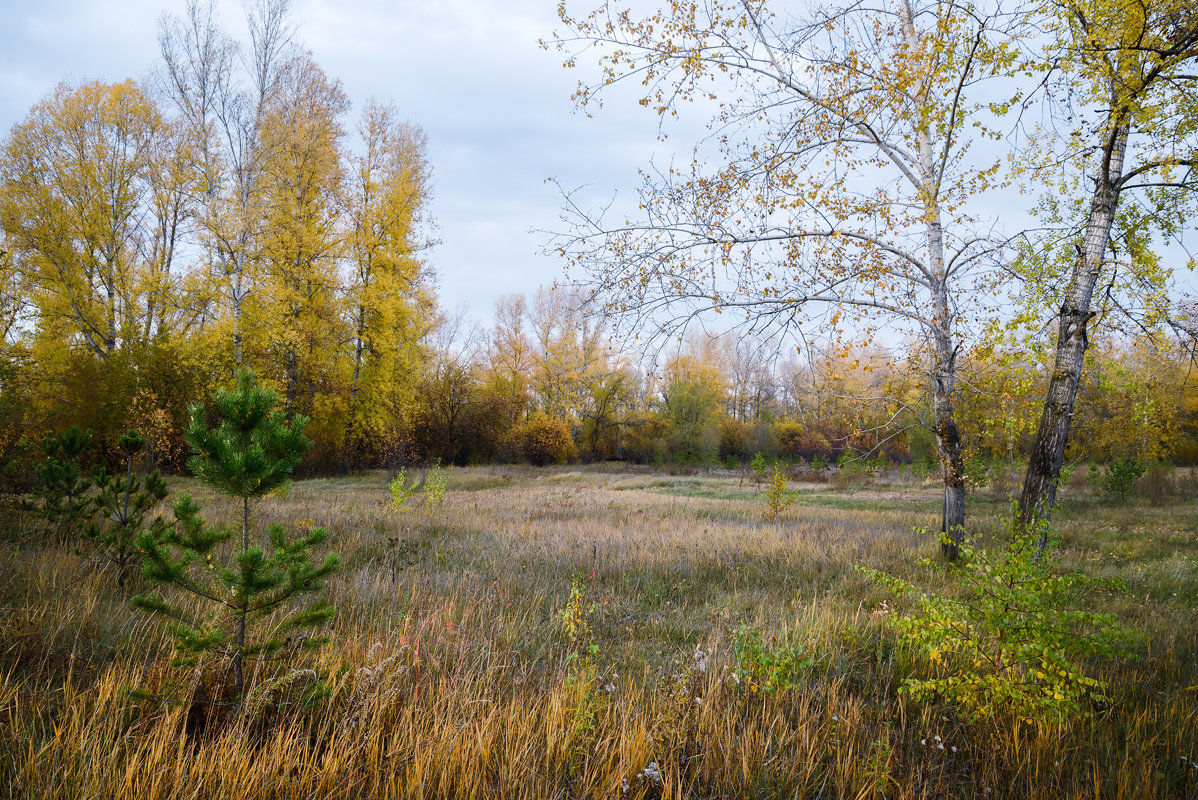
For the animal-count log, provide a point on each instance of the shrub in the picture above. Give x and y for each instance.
(760, 467)
(400, 491)
(778, 497)
(543, 439)
(790, 434)
(436, 485)
(1162, 481)
(1011, 638)
(734, 437)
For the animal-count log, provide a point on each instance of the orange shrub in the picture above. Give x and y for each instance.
(543, 439)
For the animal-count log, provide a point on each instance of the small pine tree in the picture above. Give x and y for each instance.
(251, 451)
(1120, 476)
(63, 499)
(122, 506)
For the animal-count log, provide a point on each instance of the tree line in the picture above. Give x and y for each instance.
(225, 214)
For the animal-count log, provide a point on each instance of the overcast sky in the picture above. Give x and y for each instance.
(496, 108)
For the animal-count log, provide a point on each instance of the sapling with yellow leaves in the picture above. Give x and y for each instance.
(1013, 637)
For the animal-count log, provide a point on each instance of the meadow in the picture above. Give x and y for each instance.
(583, 632)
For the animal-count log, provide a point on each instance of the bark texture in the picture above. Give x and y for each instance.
(1048, 452)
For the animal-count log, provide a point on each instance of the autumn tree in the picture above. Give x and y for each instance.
(570, 353)
(693, 394)
(224, 99)
(510, 355)
(387, 286)
(1006, 376)
(1124, 71)
(91, 219)
(1129, 402)
(298, 307)
(841, 176)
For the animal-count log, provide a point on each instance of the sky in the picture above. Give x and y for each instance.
(496, 108)
(495, 105)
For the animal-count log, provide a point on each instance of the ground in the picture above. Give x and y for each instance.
(584, 631)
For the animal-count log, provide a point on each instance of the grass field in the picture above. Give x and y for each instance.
(452, 671)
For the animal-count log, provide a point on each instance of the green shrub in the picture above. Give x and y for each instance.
(778, 497)
(1011, 639)
(436, 485)
(400, 491)
(760, 667)
(760, 466)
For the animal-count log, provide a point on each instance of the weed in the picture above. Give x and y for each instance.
(401, 492)
(436, 485)
(776, 666)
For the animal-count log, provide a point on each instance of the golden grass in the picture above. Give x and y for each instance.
(450, 675)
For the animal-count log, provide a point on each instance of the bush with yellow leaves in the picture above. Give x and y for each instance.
(1012, 639)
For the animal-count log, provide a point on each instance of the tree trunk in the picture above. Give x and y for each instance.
(948, 443)
(1048, 452)
(239, 636)
(940, 330)
(351, 428)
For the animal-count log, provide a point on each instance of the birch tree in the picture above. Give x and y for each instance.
(1126, 74)
(837, 191)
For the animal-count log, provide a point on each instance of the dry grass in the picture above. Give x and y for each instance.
(450, 674)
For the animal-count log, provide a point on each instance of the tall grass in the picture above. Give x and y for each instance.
(450, 674)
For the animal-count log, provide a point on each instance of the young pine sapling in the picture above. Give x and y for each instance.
(251, 451)
(63, 499)
(122, 506)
